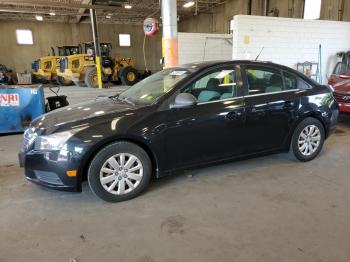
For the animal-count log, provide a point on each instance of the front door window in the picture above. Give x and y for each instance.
(216, 85)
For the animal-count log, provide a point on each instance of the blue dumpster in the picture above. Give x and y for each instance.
(19, 105)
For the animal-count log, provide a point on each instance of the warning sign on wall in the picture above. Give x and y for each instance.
(9, 100)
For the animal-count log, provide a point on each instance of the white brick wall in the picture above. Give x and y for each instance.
(288, 41)
(196, 47)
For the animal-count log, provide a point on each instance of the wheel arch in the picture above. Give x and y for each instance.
(316, 115)
(93, 151)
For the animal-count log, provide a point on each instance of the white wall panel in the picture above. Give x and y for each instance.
(288, 41)
(196, 47)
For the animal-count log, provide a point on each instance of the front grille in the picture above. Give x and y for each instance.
(63, 64)
(342, 97)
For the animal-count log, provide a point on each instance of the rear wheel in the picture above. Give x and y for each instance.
(63, 81)
(119, 172)
(128, 75)
(91, 79)
(308, 139)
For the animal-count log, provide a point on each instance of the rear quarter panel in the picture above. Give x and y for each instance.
(317, 102)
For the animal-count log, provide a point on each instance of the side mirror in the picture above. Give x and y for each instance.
(184, 100)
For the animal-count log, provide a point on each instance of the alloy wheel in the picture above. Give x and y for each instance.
(309, 140)
(121, 173)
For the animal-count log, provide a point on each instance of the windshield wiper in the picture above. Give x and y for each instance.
(128, 101)
(123, 99)
(114, 97)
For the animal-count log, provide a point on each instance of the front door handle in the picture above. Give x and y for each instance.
(288, 104)
(234, 115)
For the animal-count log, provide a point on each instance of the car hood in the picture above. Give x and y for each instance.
(80, 112)
(342, 86)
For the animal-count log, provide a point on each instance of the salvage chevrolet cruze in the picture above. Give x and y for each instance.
(182, 117)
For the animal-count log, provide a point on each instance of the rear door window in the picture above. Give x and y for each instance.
(290, 81)
(263, 80)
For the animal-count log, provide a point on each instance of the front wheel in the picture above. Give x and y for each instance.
(119, 172)
(308, 139)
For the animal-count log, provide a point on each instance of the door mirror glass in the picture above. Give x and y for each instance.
(184, 100)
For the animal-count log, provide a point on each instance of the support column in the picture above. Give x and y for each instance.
(169, 40)
(96, 46)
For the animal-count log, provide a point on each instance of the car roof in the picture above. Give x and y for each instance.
(202, 65)
(207, 64)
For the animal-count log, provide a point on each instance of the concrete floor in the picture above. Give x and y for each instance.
(81, 94)
(265, 209)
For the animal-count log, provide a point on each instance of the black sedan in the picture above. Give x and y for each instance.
(192, 115)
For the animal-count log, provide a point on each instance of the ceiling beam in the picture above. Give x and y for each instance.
(82, 10)
(69, 13)
(60, 4)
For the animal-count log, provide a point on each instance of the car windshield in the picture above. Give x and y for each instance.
(153, 87)
(342, 69)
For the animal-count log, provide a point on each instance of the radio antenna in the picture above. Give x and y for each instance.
(259, 53)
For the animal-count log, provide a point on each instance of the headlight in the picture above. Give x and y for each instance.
(55, 141)
(29, 137)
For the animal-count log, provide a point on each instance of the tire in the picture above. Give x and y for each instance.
(308, 139)
(128, 75)
(139, 179)
(91, 77)
(63, 81)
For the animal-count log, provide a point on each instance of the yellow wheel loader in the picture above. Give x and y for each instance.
(81, 68)
(45, 68)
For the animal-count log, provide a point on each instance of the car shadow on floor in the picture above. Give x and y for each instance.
(238, 167)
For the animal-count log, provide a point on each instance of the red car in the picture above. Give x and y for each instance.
(340, 81)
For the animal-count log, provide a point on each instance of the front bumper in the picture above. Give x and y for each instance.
(47, 169)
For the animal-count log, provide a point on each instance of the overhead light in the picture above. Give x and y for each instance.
(39, 17)
(52, 13)
(188, 4)
(108, 16)
(127, 6)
